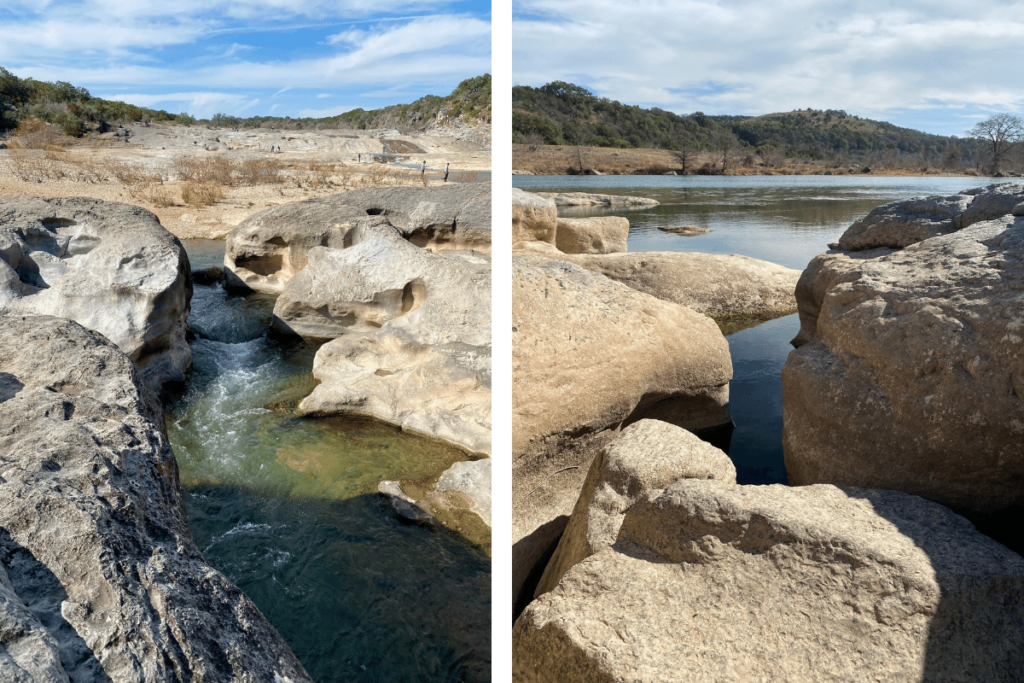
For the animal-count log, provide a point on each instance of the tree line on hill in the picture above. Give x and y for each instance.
(75, 111)
(562, 113)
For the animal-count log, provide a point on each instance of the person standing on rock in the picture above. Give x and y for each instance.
(423, 168)
(446, 173)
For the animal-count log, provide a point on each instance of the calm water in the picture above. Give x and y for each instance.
(784, 219)
(287, 508)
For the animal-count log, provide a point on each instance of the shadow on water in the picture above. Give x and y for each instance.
(358, 595)
(42, 593)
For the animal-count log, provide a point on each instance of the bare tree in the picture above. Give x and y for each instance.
(685, 152)
(725, 143)
(1003, 132)
(773, 155)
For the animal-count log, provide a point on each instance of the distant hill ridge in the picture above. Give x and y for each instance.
(561, 113)
(76, 111)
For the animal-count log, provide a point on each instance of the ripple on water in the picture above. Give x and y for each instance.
(287, 509)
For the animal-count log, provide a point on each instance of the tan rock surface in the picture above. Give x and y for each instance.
(910, 371)
(712, 582)
(588, 355)
(534, 218)
(712, 284)
(595, 235)
(648, 455)
(591, 199)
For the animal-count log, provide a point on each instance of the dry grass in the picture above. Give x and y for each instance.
(37, 134)
(260, 172)
(464, 177)
(134, 176)
(198, 194)
(216, 169)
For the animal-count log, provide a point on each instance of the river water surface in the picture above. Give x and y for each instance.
(783, 219)
(287, 508)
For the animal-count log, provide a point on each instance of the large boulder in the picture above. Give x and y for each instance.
(534, 218)
(647, 455)
(909, 374)
(901, 223)
(590, 355)
(595, 235)
(270, 247)
(111, 267)
(708, 581)
(713, 284)
(413, 334)
(591, 199)
(93, 535)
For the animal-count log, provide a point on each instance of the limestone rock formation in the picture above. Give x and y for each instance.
(685, 230)
(910, 375)
(598, 235)
(111, 267)
(270, 247)
(902, 223)
(534, 218)
(648, 455)
(713, 284)
(712, 582)
(590, 199)
(473, 479)
(413, 334)
(93, 536)
(589, 355)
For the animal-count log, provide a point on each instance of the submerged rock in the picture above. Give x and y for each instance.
(404, 506)
(93, 534)
(590, 199)
(685, 230)
(111, 267)
(909, 373)
(589, 355)
(473, 479)
(703, 580)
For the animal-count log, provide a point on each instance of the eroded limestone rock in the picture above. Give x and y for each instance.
(111, 267)
(591, 199)
(589, 355)
(534, 218)
(596, 235)
(708, 581)
(93, 533)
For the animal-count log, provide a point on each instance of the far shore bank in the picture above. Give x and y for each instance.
(570, 160)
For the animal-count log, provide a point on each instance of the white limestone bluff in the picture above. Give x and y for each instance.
(111, 267)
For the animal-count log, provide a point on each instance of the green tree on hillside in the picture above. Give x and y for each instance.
(1003, 132)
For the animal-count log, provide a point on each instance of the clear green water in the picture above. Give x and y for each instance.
(287, 508)
(783, 219)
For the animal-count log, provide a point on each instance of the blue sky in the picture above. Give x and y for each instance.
(938, 65)
(250, 57)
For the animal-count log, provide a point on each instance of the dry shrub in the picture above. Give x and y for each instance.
(133, 176)
(37, 134)
(34, 167)
(260, 171)
(465, 176)
(319, 175)
(160, 196)
(217, 170)
(201, 194)
(344, 175)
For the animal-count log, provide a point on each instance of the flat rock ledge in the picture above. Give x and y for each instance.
(699, 579)
(99, 577)
(589, 199)
(108, 266)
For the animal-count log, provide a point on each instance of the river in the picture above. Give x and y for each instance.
(783, 219)
(287, 508)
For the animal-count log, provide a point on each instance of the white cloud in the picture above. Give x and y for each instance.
(201, 104)
(323, 113)
(323, 95)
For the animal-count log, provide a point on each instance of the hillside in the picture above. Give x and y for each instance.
(565, 114)
(76, 111)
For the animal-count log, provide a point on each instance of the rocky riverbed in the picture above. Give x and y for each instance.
(638, 557)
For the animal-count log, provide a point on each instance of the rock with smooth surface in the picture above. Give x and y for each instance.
(108, 266)
(93, 533)
(708, 582)
(591, 199)
(597, 235)
(413, 334)
(472, 478)
(269, 248)
(909, 373)
(901, 223)
(713, 284)
(590, 355)
(648, 455)
(534, 218)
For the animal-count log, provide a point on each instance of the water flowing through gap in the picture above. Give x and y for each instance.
(287, 508)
